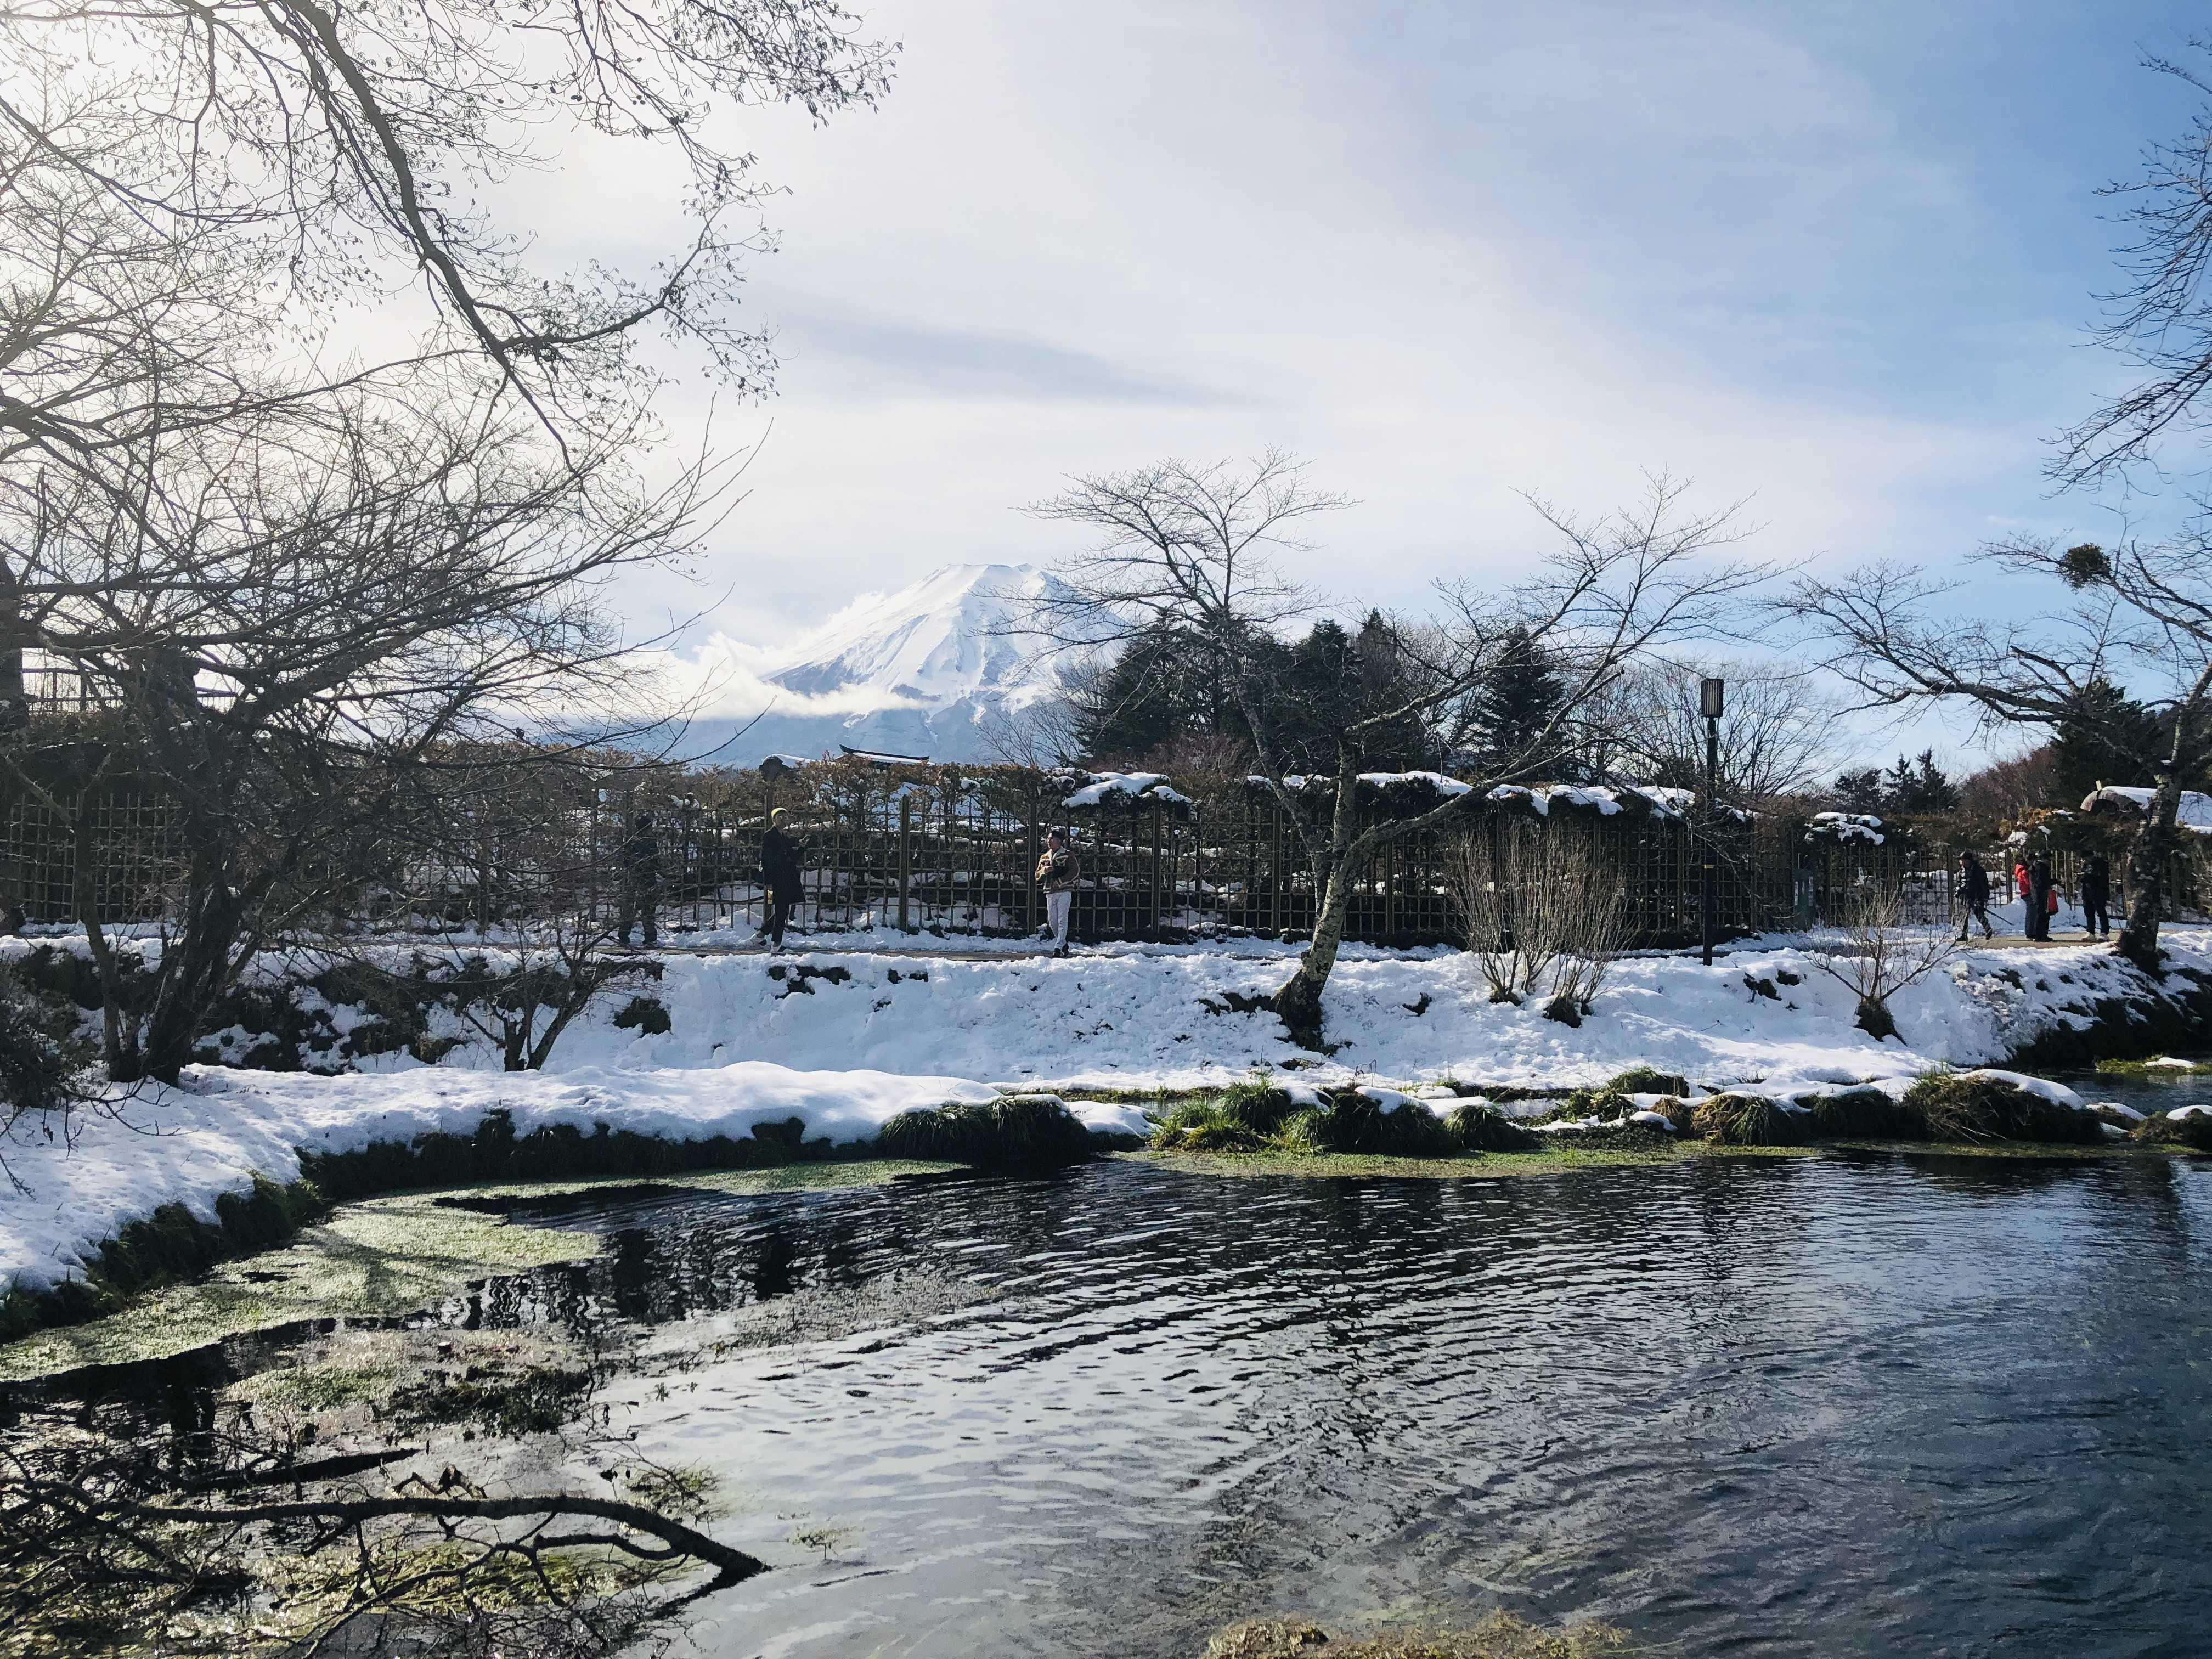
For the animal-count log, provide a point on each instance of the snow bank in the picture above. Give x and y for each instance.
(2194, 811)
(897, 1031)
(1124, 786)
(211, 1134)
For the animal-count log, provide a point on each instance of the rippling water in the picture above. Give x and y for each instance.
(1835, 1407)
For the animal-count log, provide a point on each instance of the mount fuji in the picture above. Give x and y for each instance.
(928, 671)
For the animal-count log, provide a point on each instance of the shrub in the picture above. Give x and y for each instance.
(1749, 1121)
(1014, 1130)
(1203, 1125)
(648, 1014)
(1478, 1127)
(1647, 1080)
(1864, 1114)
(1975, 1106)
(1353, 1122)
(2194, 1131)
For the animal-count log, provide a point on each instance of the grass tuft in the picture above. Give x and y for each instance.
(1749, 1121)
(1501, 1636)
(1647, 1080)
(1014, 1131)
(1959, 1106)
(2194, 1132)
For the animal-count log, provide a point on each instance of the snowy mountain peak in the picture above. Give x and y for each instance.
(932, 669)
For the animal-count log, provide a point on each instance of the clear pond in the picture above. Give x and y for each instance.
(1833, 1406)
(1837, 1405)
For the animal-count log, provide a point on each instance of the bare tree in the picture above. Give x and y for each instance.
(1545, 914)
(2158, 317)
(1881, 952)
(2141, 615)
(1778, 738)
(1189, 546)
(295, 623)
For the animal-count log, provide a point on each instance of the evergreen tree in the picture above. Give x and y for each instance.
(1153, 694)
(1918, 785)
(1860, 792)
(1519, 695)
(2111, 739)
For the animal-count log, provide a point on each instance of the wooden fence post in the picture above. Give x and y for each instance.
(1029, 870)
(905, 856)
(1158, 825)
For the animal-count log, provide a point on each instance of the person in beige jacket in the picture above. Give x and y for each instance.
(1057, 872)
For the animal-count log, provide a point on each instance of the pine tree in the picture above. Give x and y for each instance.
(2111, 740)
(1519, 695)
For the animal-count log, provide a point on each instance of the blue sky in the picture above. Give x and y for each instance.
(1834, 259)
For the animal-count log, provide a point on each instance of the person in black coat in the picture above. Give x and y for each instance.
(1974, 896)
(2097, 895)
(779, 860)
(641, 881)
(2039, 885)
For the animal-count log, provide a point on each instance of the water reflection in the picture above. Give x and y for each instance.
(1845, 1405)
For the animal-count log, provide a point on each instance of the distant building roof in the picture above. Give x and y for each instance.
(881, 757)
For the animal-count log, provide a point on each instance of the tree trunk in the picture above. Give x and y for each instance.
(2147, 858)
(1298, 1002)
(195, 969)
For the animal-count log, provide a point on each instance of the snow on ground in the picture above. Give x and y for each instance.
(893, 1030)
(211, 1134)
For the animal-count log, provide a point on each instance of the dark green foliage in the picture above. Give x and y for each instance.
(1519, 696)
(1749, 1121)
(2107, 736)
(553, 1151)
(2194, 1132)
(1918, 785)
(1479, 1127)
(1647, 1080)
(1971, 1106)
(1353, 1122)
(62, 974)
(647, 1015)
(1864, 1114)
(1018, 1131)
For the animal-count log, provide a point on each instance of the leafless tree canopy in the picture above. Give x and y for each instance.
(1778, 740)
(330, 145)
(2159, 318)
(2140, 616)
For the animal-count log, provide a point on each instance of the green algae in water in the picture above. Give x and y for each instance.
(380, 1258)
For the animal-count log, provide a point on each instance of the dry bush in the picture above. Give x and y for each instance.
(1881, 952)
(1543, 913)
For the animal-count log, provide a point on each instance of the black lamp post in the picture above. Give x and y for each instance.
(1711, 701)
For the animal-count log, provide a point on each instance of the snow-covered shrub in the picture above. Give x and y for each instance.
(1955, 1106)
(1353, 1121)
(43, 1062)
(1018, 1130)
(1750, 1120)
(2190, 1126)
(1479, 1126)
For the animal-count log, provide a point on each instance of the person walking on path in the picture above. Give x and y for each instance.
(1974, 896)
(2097, 896)
(641, 882)
(778, 863)
(1057, 872)
(2042, 893)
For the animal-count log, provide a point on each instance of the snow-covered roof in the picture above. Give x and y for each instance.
(1121, 788)
(2195, 813)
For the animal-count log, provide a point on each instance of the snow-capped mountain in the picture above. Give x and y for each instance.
(926, 671)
